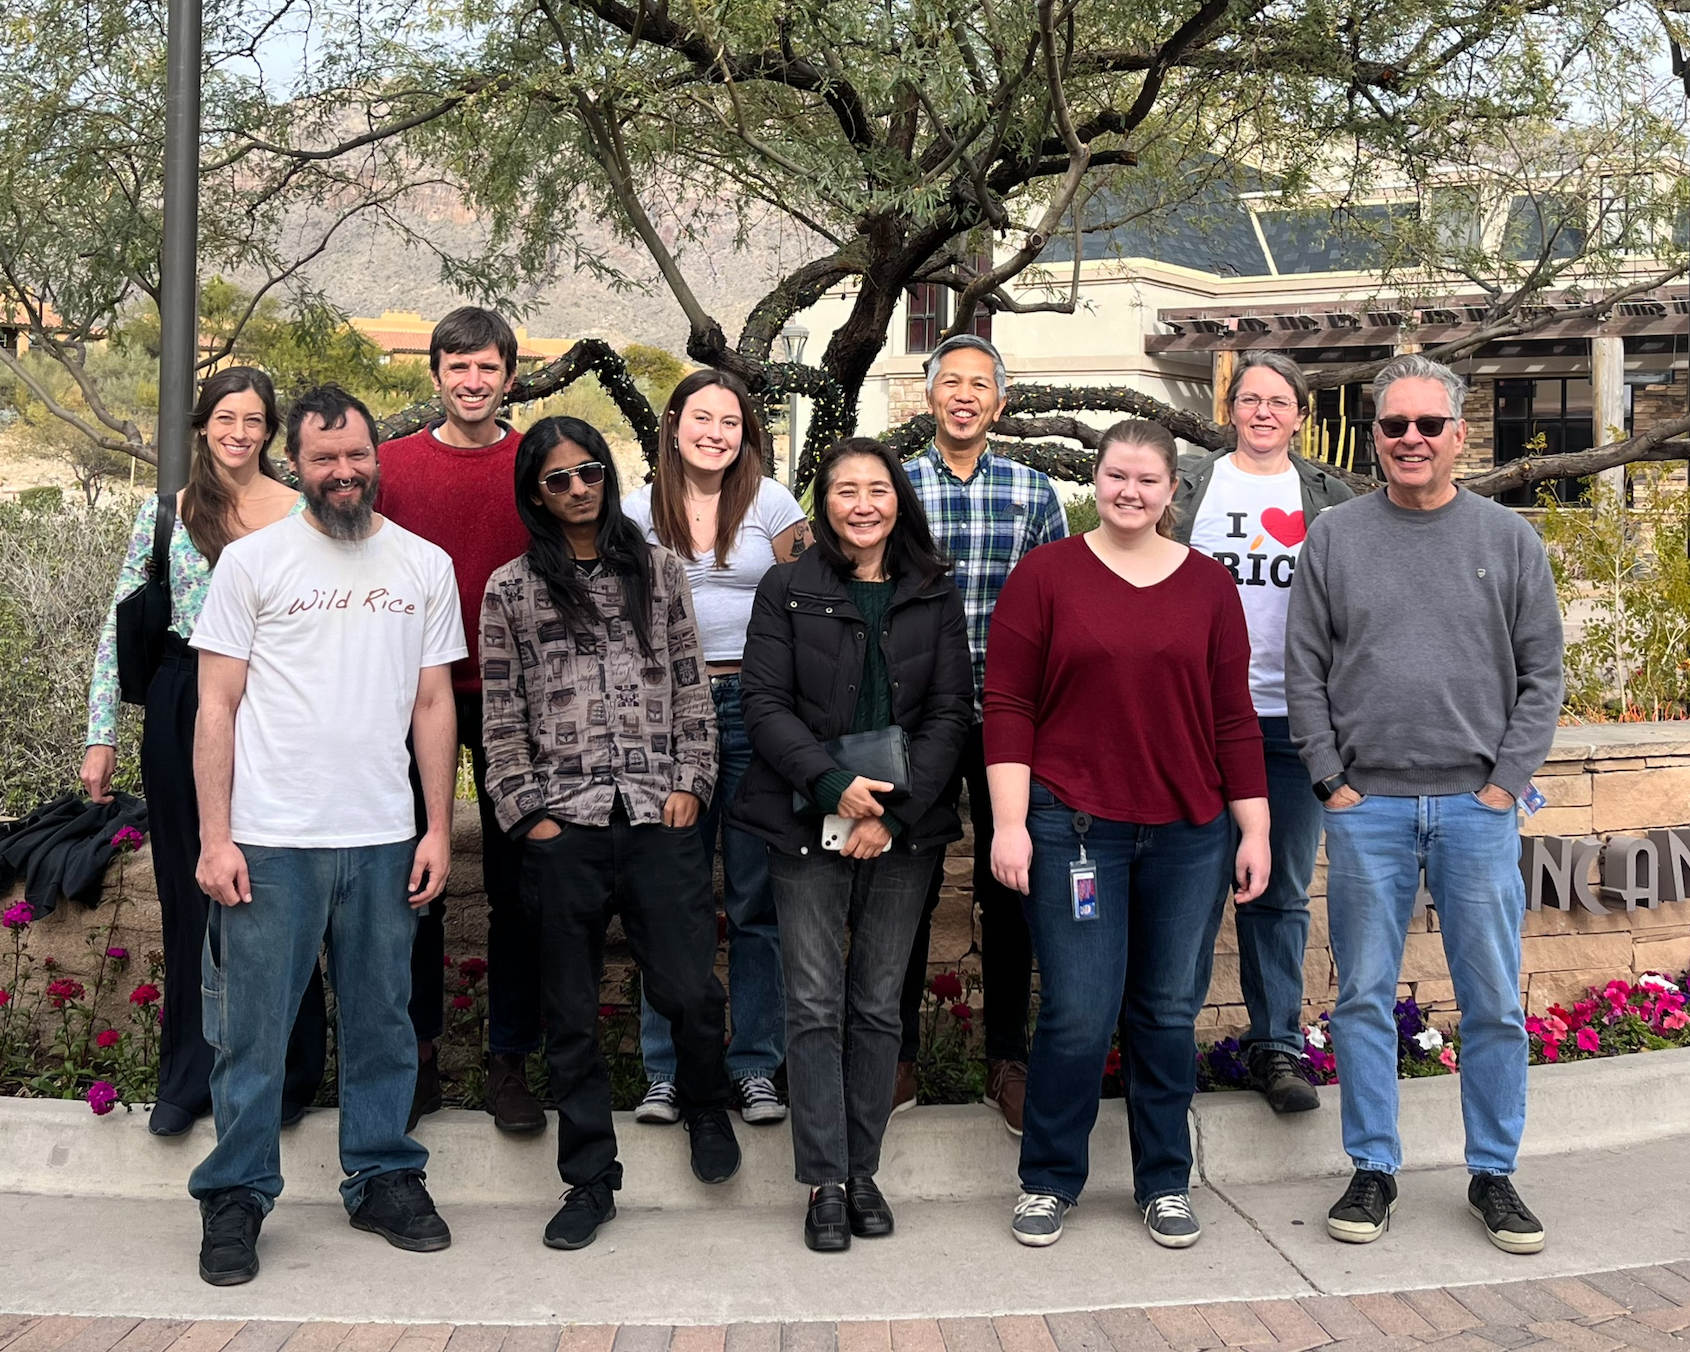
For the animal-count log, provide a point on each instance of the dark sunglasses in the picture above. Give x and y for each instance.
(557, 482)
(1428, 427)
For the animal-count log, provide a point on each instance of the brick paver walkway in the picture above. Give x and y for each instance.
(1600, 1312)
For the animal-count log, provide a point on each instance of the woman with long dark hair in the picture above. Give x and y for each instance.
(233, 489)
(711, 505)
(601, 757)
(862, 635)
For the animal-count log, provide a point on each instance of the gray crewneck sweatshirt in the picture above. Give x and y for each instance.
(1423, 649)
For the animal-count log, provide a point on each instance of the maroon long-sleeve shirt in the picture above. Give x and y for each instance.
(464, 500)
(1130, 703)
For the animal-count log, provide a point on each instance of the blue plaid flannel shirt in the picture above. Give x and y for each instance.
(987, 524)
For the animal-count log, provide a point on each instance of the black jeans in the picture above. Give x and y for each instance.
(842, 1026)
(173, 824)
(513, 943)
(1006, 953)
(659, 877)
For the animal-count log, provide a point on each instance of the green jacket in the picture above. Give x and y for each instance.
(1320, 490)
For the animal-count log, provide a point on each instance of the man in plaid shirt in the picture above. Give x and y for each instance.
(986, 512)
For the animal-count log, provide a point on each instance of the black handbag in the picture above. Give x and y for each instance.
(883, 754)
(143, 617)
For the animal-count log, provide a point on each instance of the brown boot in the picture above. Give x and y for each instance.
(509, 1098)
(1006, 1090)
(426, 1097)
(903, 1088)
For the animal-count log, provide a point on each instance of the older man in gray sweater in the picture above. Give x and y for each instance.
(1423, 681)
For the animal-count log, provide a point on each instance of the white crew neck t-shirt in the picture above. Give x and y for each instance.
(722, 597)
(335, 635)
(1253, 524)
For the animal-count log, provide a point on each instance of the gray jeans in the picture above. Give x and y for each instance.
(842, 1024)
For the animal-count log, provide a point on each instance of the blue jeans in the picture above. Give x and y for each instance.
(258, 957)
(1273, 930)
(1470, 852)
(1158, 890)
(756, 999)
(842, 1009)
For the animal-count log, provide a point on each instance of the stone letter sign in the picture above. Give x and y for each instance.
(1635, 870)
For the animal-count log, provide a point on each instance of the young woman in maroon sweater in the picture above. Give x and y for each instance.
(1119, 731)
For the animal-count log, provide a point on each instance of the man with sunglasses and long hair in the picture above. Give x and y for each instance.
(451, 484)
(1423, 678)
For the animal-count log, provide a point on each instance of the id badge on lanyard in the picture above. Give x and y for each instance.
(1082, 875)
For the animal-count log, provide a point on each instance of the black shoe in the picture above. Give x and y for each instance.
(229, 1244)
(1363, 1213)
(715, 1152)
(584, 1209)
(509, 1099)
(1277, 1075)
(397, 1207)
(1508, 1222)
(827, 1227)
(293, 1113)
(867, 1209)
(166, 1119)
(425, 1098)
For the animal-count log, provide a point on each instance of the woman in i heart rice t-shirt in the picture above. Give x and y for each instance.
(1250, 509)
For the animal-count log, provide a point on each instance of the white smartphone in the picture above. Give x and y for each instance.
(836, 830)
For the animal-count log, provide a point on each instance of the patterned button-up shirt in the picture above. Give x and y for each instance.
(572, 716)
(986, 523)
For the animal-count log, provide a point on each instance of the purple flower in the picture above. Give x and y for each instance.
(18, 917)
(127, 840)
(118, 954)
(102, 1097)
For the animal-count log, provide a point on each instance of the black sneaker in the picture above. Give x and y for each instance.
(1281, 1081)
(1508, 1222)
(229, 1244)
(585, 1208)
(1363, 1213)
(397, 1207)
(715, 1152)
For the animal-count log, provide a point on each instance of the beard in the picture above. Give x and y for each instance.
(348, 522)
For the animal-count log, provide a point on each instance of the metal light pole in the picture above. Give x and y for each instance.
(178, 321)
(793, 336)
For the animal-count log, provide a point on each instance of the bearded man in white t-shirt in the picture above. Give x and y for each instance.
(1249, 508)
(325, 639)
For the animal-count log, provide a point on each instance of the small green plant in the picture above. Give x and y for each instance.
(42, 499)
(1623, 578)
(1082, 514)
(948, 1068)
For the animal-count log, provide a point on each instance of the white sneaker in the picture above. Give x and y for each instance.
(661, 1106)
(759, 1105)
(1038, 1219)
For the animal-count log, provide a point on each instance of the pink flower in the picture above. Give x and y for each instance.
(946, 986)
(962, 1012)
(118, 954)
(1554, 1029)
(108, 1038)
(18, 917)
(63, 990)
(5, 998)
(1673, 1021)
(463, 1002)
(144, 994)
(127, 840)
(102, 1097)
(1112, 1062)
(1447, 1056)
(1589, 1040)
(1551, 1051)
(473, 969)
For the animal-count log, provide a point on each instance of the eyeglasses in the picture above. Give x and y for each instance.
(557, 482)
(1428, 426)
(1278, 404)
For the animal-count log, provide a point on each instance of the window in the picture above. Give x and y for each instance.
(1341, 428)
(925, 318)
(1560, 411)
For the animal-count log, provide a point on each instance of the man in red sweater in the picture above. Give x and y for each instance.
(451, 483)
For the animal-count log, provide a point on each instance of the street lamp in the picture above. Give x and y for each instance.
(179, 262)
(793, 336)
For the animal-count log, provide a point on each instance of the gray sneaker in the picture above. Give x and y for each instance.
(1038, 1219)
(1171, 1221)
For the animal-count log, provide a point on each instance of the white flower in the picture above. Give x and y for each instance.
(1656, 982)
(1429, 1039)
(1315, 1038)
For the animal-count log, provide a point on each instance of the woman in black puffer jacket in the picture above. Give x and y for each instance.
(862, 633)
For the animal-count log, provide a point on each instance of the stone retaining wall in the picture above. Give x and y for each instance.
(1599, 780)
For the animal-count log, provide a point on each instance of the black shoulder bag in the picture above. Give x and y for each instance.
(143, 617)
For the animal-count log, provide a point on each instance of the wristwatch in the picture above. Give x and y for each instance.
(1330, 785)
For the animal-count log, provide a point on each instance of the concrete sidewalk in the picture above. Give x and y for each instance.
(95, 1219)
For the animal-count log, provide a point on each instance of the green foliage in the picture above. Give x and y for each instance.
(1623, 578)
(44, 498)
(655, 371)
(57, 569)
(1082, 513)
